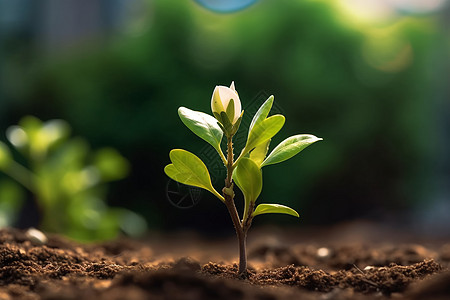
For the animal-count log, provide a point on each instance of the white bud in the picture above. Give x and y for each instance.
(221, 98)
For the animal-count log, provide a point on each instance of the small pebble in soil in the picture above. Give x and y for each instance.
(369, 268)
(36, 236)
(323, 252)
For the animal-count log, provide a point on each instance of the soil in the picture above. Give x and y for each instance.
(356, 261)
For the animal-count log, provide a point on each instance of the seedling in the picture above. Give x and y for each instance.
(245, 171)
(67, 179)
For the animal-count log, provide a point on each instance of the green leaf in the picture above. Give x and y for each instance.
(259, 153)
(262, 113)
(263, 131)
(289, 147)
(203, 125)
(274, 209)
(110, 164)
(188, 169)
(11, 200)
(248, 178)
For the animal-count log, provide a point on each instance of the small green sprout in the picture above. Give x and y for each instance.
(245, 171)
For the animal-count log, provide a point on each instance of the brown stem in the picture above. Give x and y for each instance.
(228, 194)
(247, 220)
(241, 235)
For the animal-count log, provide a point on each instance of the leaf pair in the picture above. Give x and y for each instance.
(188, 169)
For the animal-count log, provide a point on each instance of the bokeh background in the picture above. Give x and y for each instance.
(369, 77)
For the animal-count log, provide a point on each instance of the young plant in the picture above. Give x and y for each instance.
(67, 179)
(245, 171)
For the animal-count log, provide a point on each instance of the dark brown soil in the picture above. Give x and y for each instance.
(184, 266)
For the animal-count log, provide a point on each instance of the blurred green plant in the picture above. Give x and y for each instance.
(67, 180)
(245, 171)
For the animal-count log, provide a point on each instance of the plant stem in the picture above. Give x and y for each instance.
(230, 157)
(228, 194)
(241, 235)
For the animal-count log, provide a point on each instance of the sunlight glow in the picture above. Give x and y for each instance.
(379, 11)
(369, 10)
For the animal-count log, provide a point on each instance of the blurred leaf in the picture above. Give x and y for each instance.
(203, 125)
(75, 181)
(188, 169)
(248, 178)
(30, 124)
(11, 201)
(5, 156)
(92, 220)
(132, 224)
(70, 155)
(91, 213)
(289, 147)
(34, 137)
(36, 143)
(111, 164)
(53, 131)
(274, 209)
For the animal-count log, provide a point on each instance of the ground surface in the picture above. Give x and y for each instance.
(357, 261)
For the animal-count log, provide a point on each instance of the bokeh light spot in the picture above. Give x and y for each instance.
(17, 136)
(225, 6)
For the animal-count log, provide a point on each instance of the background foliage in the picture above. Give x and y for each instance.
(373, 89)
